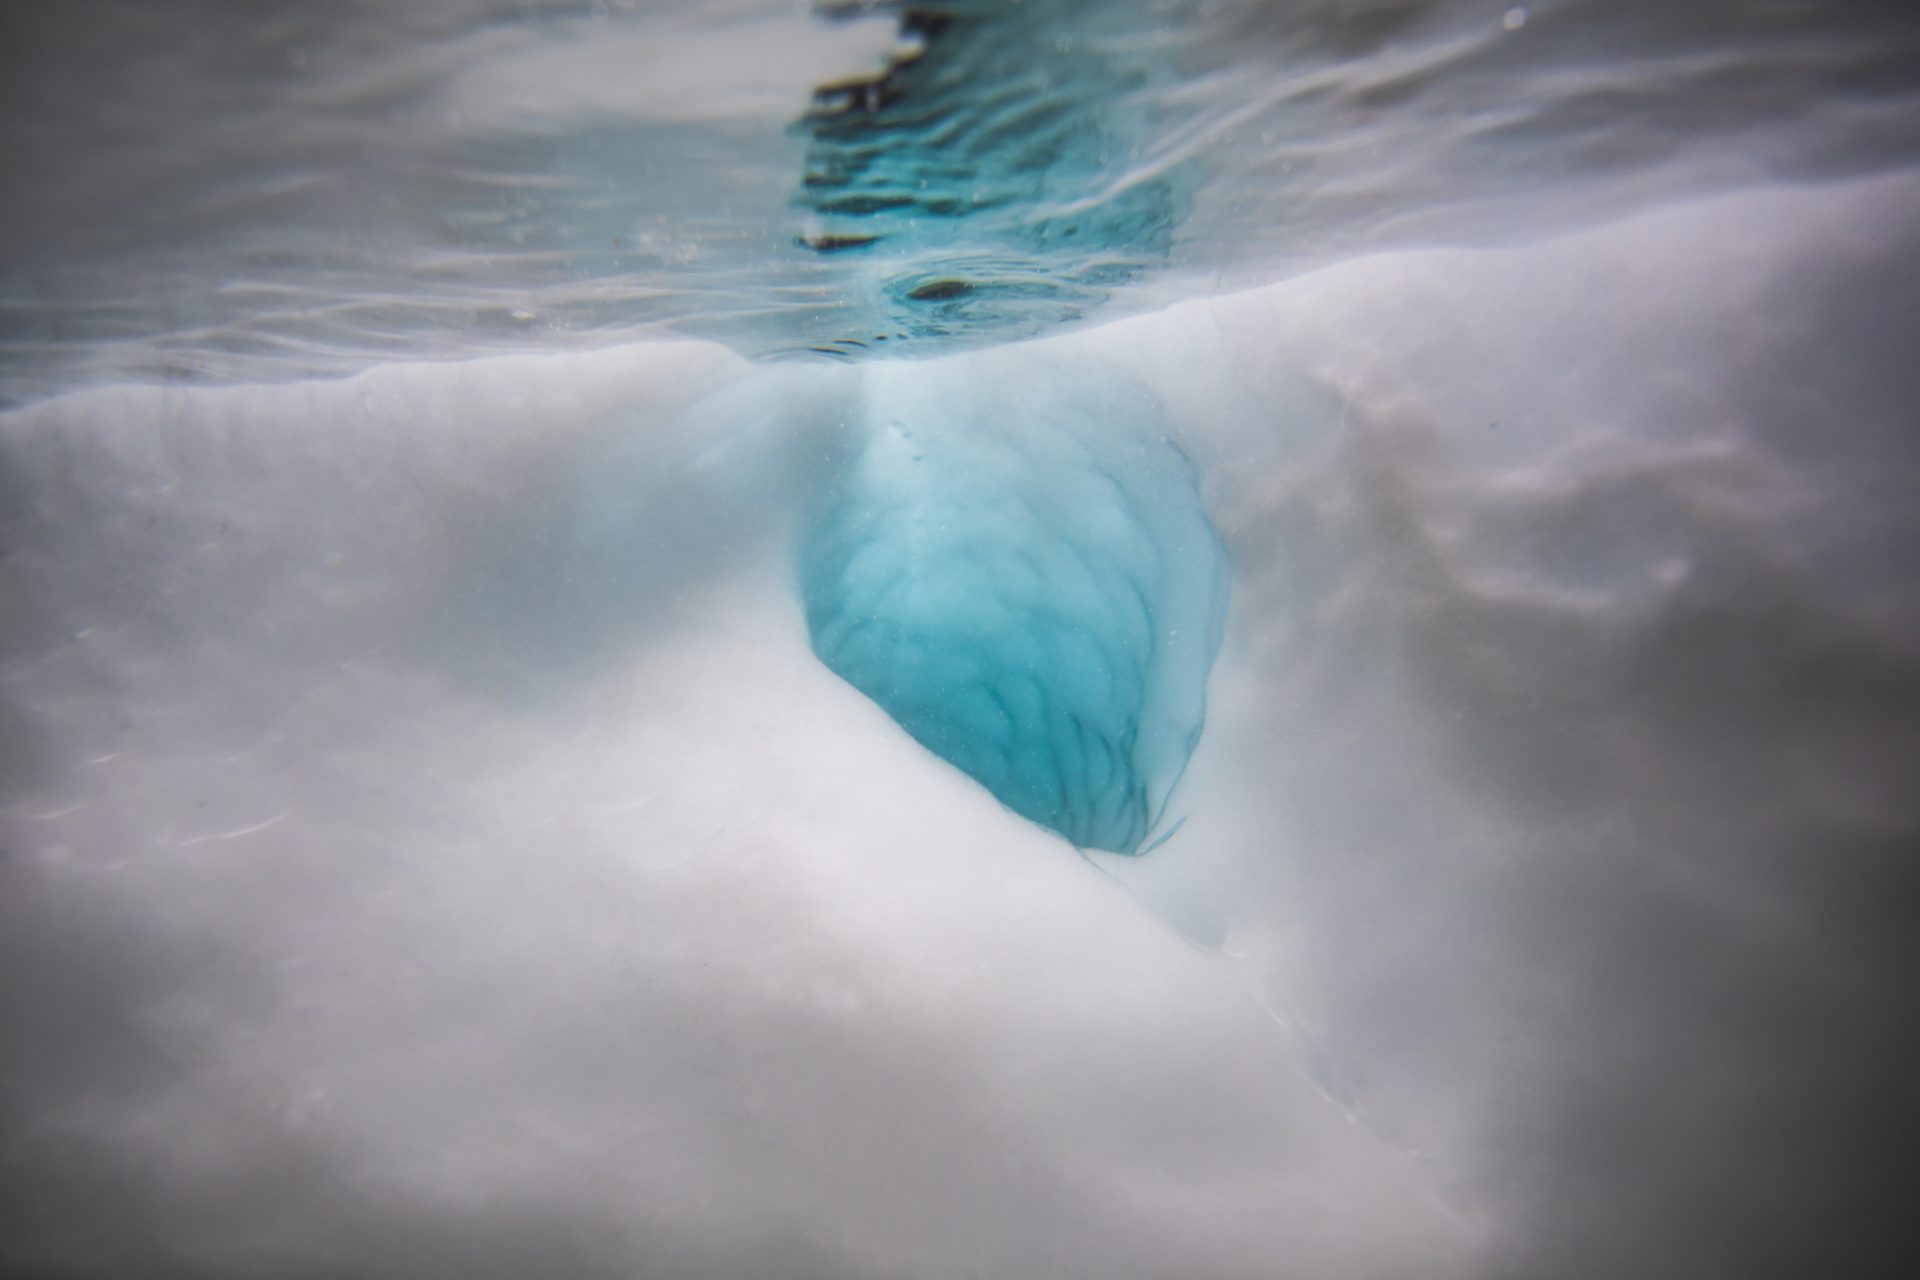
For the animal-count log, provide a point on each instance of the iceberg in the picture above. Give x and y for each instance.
(571, 576)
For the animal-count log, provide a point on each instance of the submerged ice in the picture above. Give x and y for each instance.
(1030, 586)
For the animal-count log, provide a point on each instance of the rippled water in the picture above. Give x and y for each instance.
(205, 192)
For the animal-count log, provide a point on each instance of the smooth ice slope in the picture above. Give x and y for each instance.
(1028, 584)
(324, 950)
(432, 851)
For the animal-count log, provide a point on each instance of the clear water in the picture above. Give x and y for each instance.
(205, 194)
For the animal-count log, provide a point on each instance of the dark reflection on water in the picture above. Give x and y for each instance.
(989, 177)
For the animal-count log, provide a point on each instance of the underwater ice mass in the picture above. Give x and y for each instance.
(938, 639)
(1030, 587)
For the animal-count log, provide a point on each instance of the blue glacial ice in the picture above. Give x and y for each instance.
(1029, 584)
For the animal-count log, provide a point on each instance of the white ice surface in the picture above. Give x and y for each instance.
(431, 849)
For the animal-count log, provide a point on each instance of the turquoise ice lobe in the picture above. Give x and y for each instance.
(1020, 572)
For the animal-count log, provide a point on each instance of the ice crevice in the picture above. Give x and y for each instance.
(1028, 584)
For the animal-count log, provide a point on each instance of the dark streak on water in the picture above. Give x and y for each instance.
(988, 170)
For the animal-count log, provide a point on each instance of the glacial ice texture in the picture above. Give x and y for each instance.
(1030, 586)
